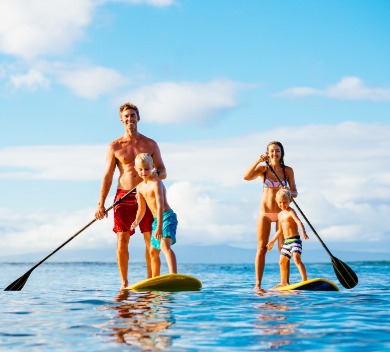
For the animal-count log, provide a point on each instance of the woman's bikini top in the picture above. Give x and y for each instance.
(268, 183)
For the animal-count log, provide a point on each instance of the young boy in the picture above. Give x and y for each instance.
(151, 192)
(288, 229)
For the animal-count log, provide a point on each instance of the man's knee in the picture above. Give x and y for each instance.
(147, 236)
(123, 240)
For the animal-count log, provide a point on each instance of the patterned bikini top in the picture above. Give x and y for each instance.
(268, 183)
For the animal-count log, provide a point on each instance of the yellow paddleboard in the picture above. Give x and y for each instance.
(168, 282)
(317, 284)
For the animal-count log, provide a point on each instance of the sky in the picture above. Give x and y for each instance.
(215, 82)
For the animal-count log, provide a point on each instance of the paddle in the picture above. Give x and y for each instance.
(18, 284)
(344, 273)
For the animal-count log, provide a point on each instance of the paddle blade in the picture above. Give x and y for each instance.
(18, 284)
(344, 273)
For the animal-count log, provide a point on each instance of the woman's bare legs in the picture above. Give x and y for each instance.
(263, 231)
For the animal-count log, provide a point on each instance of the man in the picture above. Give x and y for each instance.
(121, 154)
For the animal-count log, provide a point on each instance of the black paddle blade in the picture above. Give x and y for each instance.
(18, 284)
(344, 273)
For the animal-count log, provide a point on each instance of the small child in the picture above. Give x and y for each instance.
(288, 230)
(151, 191)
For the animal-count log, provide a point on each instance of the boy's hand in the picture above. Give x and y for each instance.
(134, 225)
(270, 245)
(158, 235)
(305, 236)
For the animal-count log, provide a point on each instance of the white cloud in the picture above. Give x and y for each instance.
(91, 82)
(156, 3)
(31, 81)
(73, 162)
(35, 28)
(349, 88)
(39, 27)
(170, 102)
(341, 177)
(343, 183)
(43, 231)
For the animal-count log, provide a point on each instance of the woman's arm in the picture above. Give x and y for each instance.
(291, 182)
(256, 169)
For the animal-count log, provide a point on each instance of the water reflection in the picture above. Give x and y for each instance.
(142, 319)
(273, 321)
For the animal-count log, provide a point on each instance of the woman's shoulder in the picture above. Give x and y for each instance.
(288, 168)
(289, 172)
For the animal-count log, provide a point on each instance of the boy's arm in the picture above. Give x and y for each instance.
(141, 209)
(271, 243)
(300, 224)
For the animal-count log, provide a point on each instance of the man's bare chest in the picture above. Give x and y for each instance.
(127, 153)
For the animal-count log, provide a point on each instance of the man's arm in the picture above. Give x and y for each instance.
(106, 183)
(158, 163)
(159, 196)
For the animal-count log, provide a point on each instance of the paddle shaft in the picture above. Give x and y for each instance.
(22, 280)
(344, 273)
(307, 220)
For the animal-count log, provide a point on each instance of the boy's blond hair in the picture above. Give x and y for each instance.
(283, 193)
(144, 159)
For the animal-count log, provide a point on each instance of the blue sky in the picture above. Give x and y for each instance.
(215, 81)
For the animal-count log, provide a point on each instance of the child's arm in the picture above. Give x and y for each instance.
(271, 243)
(140, 211)
(300, 224)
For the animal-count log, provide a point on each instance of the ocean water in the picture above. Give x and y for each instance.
(78, 307)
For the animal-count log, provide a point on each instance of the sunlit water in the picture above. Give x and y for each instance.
(78, 307)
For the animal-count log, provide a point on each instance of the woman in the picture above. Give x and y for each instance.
(269, 209)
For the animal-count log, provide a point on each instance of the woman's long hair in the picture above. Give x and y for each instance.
(280, 145)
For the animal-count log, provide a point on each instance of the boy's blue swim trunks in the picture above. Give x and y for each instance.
(168, 229)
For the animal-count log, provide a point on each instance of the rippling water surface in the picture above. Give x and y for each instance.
(78, 307)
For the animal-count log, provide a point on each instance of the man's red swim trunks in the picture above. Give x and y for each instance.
(125, 212)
